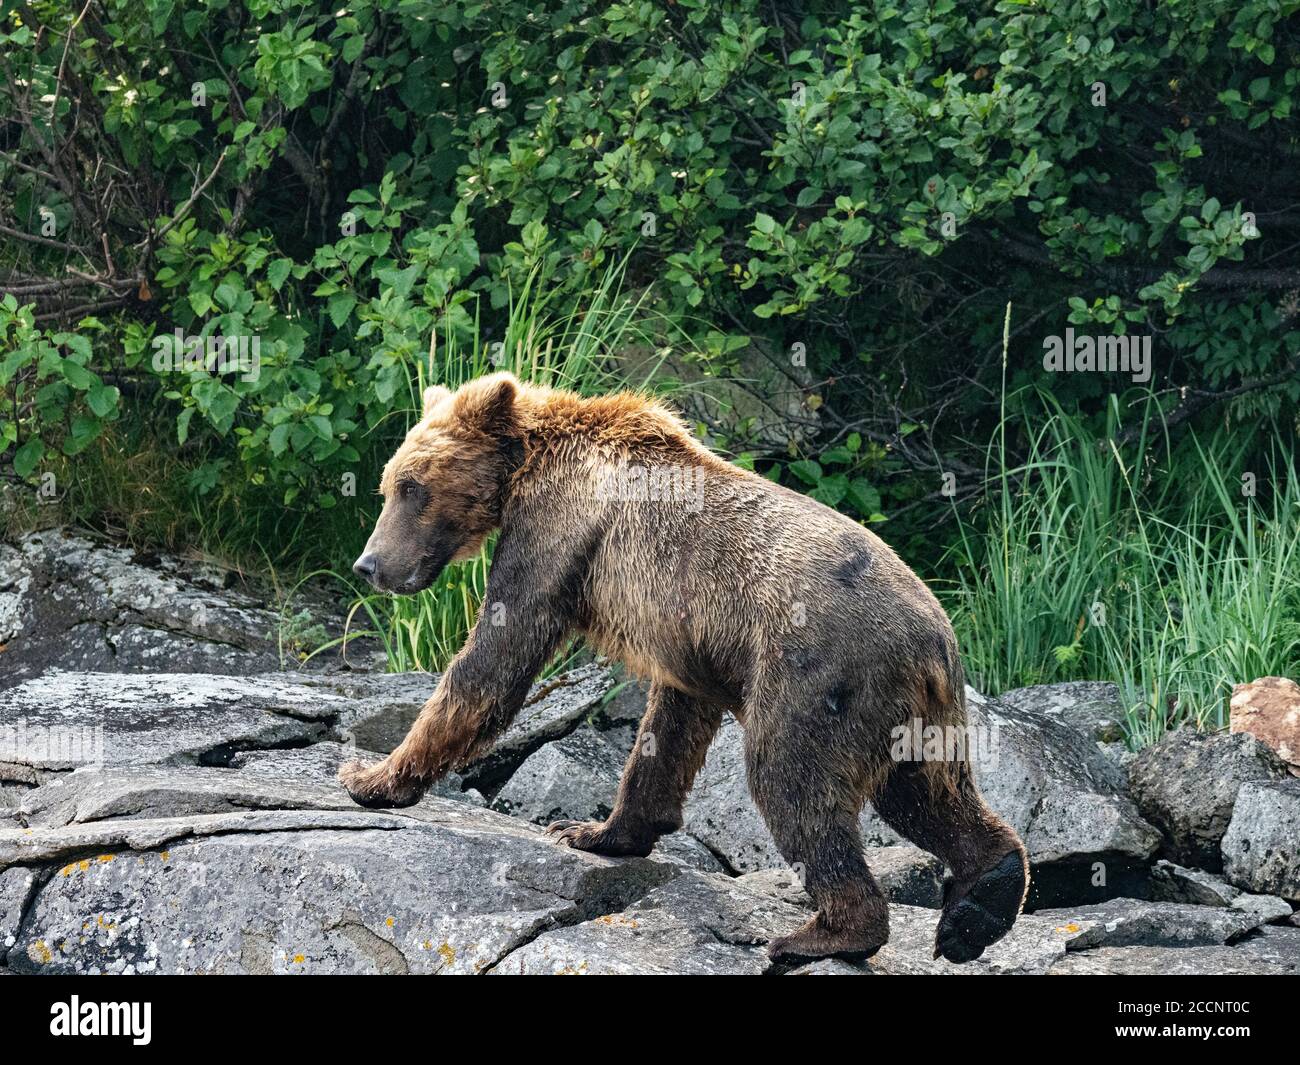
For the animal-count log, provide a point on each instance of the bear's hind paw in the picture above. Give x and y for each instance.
(597, 837)
(815, 940)
(985, 913)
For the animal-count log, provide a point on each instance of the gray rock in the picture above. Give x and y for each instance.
(16, 886)
(1263, 909)
(445, 887)
(704, 924)
(554, 708)
(1167, 961)
(320, 762)
(1049, 782)
(62, 720)
(1261, 848)
(381, 707)
(1134, 922)
(1273, 945)
(44, 845)
(59, 720)
(1173, 883)
(624, 709)
(686, 852)
(11, 798)
(575, 777)
(140, 649)
(906, 875)
(94, 794)
(1032, 947)
(719, 811)
(697, 924)
(1093, 708)
(829, 967)
(1187, 784)
(70, 602)
(781, 884)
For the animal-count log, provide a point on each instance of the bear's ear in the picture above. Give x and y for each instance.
(433, 395)
(487, 403)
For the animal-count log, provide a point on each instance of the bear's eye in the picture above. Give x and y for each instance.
(405, 490)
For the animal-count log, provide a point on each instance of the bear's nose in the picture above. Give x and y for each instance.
(366, 566)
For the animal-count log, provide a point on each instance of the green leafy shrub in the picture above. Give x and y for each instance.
(870, 183)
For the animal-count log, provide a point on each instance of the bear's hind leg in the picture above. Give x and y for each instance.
(670, 747)
(813, 817)
(938, 807)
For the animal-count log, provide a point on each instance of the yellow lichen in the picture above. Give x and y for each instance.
(612, 919)
(448, 954)
(39, 952)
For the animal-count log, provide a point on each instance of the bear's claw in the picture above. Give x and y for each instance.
(596, 837)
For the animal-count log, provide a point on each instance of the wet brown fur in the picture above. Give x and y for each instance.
(743, 597)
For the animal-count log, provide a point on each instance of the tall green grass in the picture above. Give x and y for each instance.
(1145, 565)
(575, 347)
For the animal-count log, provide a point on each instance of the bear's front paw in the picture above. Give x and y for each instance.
(378, 786)
(599, 838)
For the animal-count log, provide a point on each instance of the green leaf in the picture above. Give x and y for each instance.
(830, 490)
(76, 375)
(183, 425)
(863, 498)
(28, 457)
(226, 294)
(102, 399)
(279, 439)
(340, 308)
(807, 470)
(278, 272)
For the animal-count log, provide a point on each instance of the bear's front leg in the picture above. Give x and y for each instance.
(483, 688)
(435, 743)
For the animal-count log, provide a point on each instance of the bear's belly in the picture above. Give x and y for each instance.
(663, 654)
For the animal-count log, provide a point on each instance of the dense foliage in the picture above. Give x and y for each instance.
(871, 186)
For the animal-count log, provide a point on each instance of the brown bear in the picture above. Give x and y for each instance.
(728, 593)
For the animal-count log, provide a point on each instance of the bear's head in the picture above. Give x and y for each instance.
(443, 487)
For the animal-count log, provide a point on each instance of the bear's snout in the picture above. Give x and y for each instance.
(366, 567)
